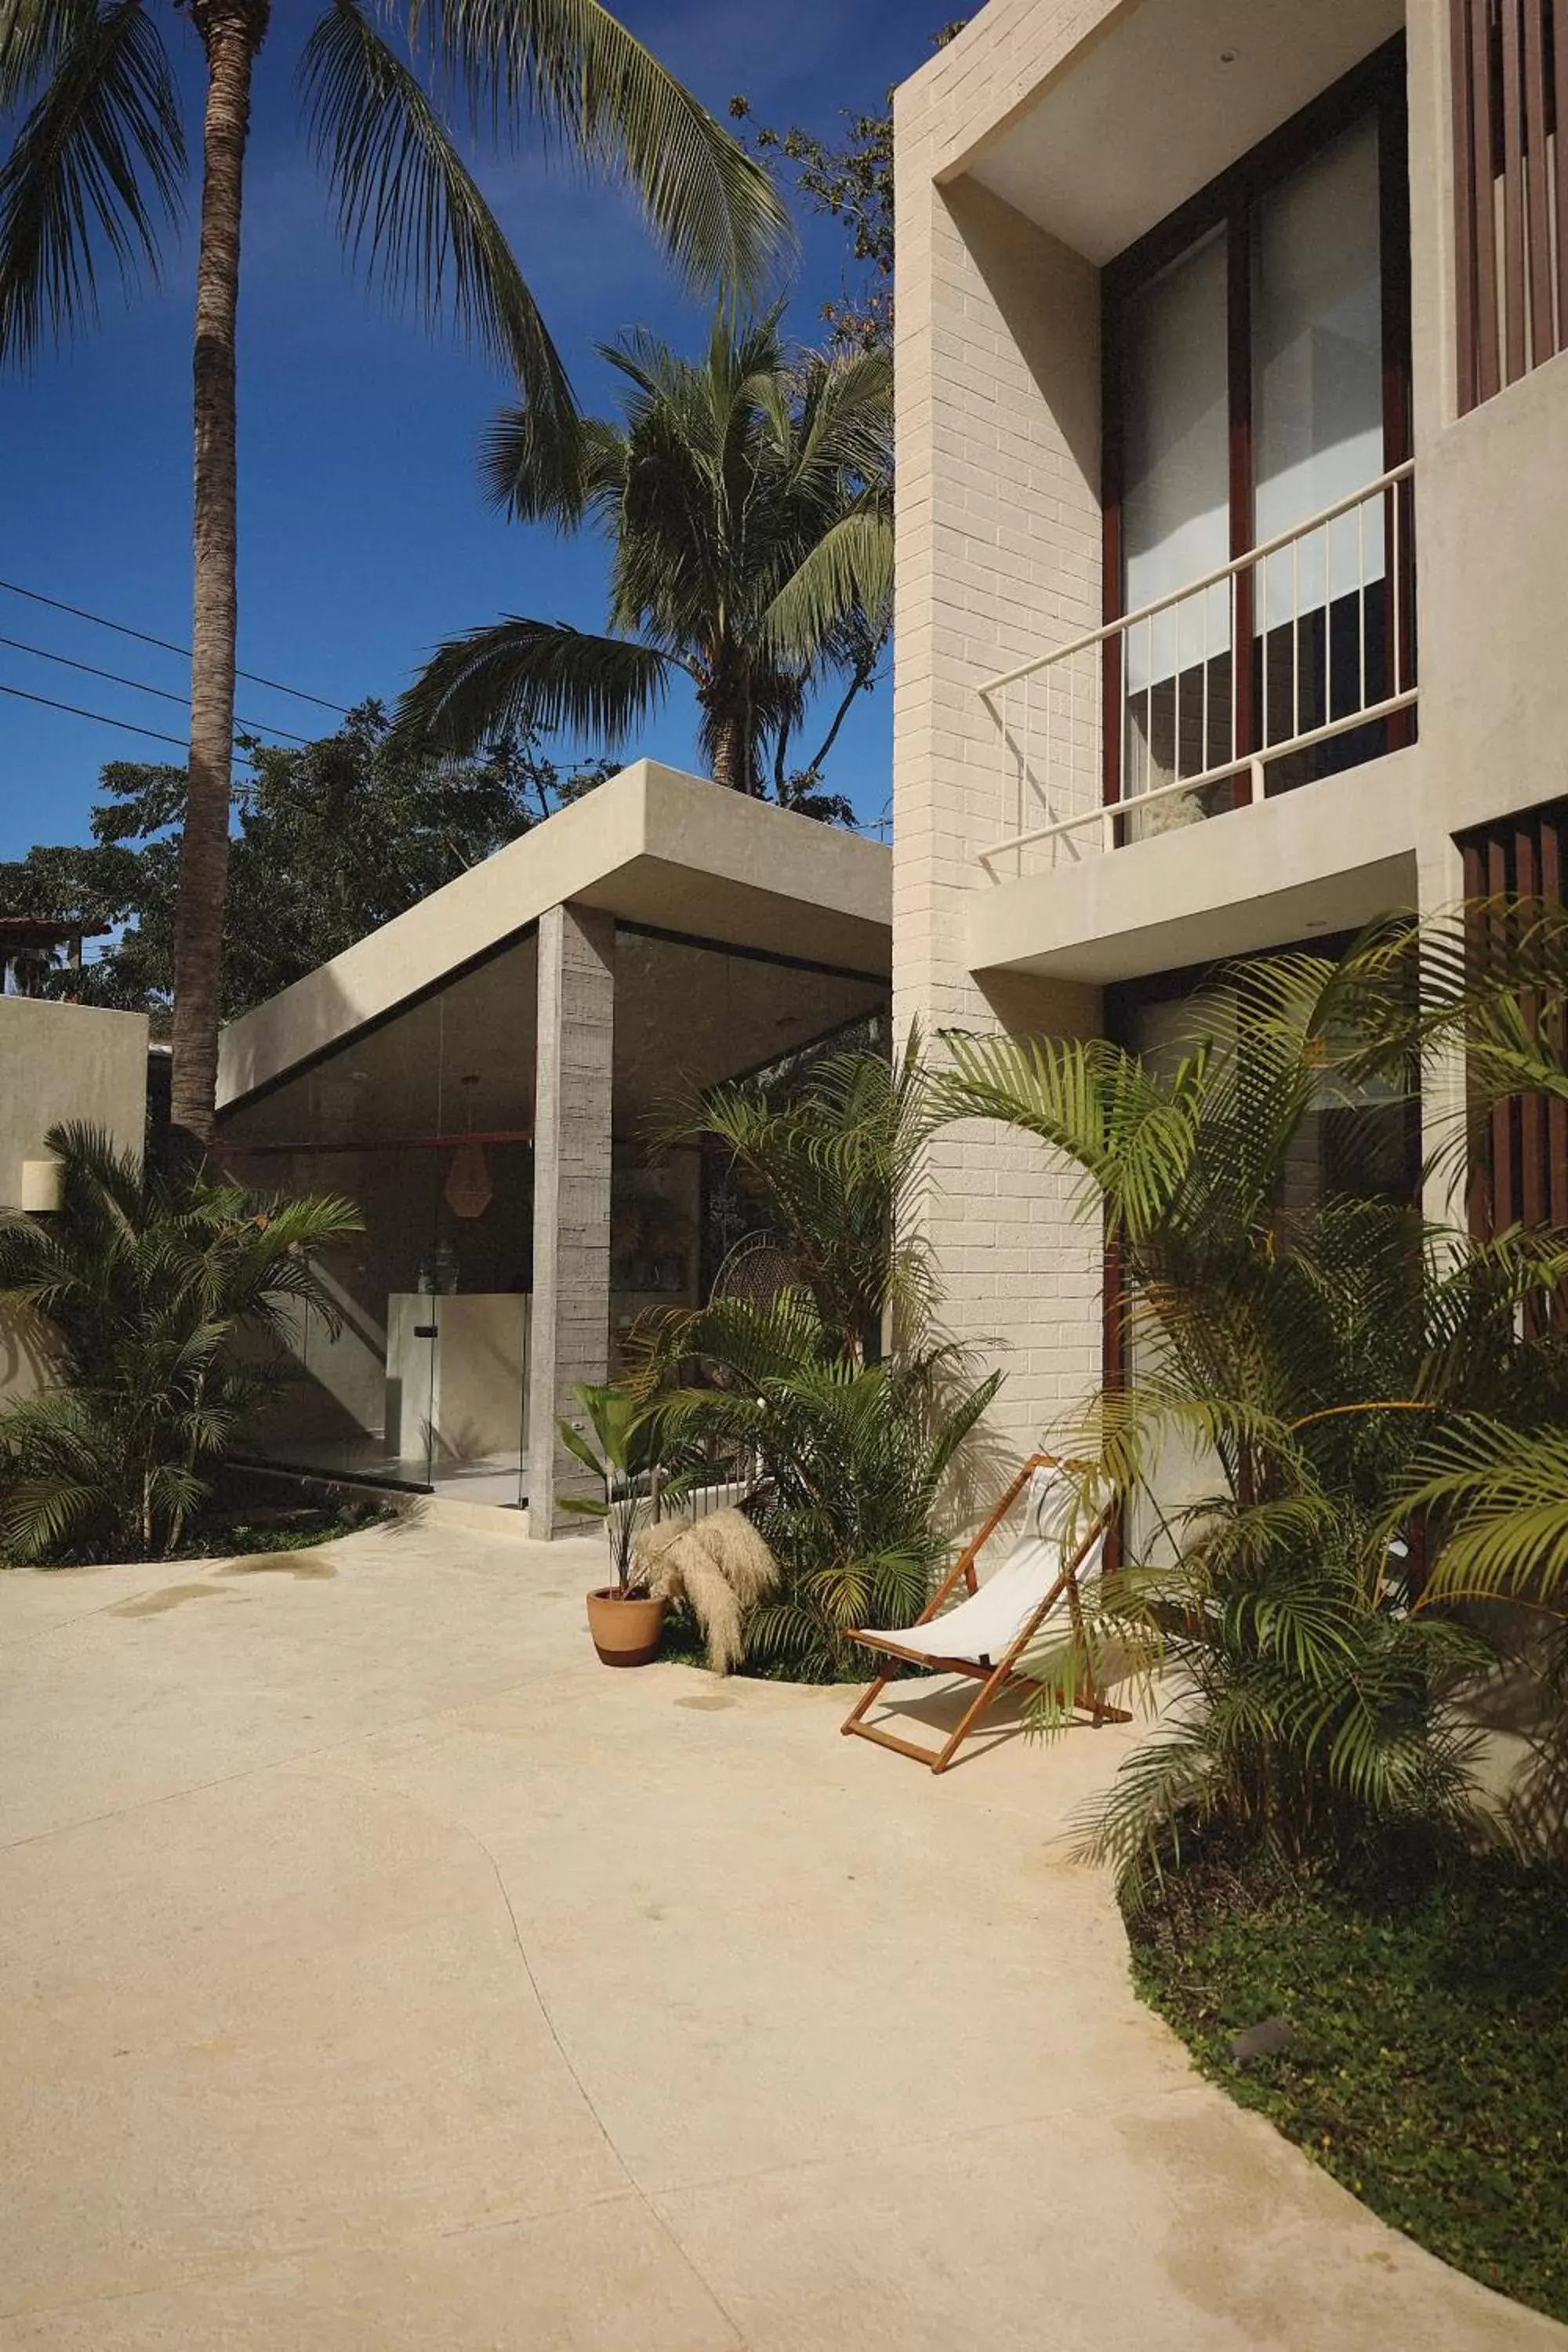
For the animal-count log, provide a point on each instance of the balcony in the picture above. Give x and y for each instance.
(1150, 723)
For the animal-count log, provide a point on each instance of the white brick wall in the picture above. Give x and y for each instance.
(998, 557)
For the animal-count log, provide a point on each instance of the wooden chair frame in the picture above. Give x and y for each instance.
(994, 1678)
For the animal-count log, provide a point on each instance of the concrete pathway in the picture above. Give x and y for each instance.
(379, 1974)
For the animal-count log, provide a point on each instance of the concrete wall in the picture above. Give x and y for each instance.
(999, 561)
(59, 1062)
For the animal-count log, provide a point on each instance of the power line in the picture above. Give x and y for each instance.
(163, 644)
(76, 711)
(19, 646)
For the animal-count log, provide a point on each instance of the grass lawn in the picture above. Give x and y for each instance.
(1429, 2067)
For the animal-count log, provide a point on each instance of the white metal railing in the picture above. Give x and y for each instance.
(1321, 614)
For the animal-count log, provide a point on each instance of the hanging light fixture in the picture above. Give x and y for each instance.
(470, 1190)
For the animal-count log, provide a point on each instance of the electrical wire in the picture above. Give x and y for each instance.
(19, 645)
(79, 612)
(179, 741)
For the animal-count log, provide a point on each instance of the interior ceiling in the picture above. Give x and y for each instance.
(1150, 111)
(463, 1060)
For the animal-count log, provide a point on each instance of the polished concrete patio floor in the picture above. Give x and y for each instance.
(377, 1972)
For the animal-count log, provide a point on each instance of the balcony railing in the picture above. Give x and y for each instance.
(1151, 722)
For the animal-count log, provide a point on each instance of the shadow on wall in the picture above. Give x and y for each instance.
(26, 1354)
(1049, 298)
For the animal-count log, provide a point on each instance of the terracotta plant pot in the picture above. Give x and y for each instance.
(626, 1627)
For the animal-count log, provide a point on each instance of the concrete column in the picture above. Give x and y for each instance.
(570, 1327)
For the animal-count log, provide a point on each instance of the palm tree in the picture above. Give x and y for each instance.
(747, 498)
(144, 1285)
(847, 1460)
(94, 173)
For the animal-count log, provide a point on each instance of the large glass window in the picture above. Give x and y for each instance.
(1256, 378)
(425, 1122)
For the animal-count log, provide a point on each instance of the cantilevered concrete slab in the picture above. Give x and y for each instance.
(654, 848)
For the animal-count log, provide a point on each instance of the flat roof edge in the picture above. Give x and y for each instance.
(646, 815)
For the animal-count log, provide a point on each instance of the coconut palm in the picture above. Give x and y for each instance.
(93, 178)
(144, 1285)
(747, 500)
(1308, 1354)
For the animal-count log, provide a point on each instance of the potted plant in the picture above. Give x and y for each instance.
(621, 1448)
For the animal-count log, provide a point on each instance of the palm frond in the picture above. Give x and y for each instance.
(410, 210)
(543, 674)
(848, 570)
(714, 209)
(95, 167)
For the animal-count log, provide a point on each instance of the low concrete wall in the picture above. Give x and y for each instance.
(59, 1062)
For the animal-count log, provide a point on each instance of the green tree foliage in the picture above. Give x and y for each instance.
(145, 1287)
(746, 498)
(329, 840)
(851, 182)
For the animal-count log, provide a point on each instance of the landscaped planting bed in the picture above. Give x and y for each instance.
(1428, 2065)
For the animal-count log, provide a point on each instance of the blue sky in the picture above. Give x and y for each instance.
(364, 537)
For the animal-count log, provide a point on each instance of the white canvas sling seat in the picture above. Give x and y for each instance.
(986, 1626)
(986, 1636)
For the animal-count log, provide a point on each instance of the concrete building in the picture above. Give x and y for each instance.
(480, 1078)
(1225, 328)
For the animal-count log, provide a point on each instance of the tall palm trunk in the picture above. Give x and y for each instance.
(734, 752)
(232, 32)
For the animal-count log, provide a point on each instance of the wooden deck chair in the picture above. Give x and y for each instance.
(984, 1637)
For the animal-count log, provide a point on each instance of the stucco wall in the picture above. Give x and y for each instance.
(59, 1062)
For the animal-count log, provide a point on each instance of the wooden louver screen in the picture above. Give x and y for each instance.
(1521, 1173)
(1511, 190)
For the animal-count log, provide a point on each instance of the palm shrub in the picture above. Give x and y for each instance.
(832, 1161)
(847, 1411)
(624, 1449)
(146, 1286)
(1304, 1354)
(1484, 985)
(847, 1463)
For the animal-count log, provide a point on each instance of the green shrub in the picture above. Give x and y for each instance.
(146, 1286)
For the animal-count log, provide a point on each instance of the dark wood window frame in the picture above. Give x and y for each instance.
(1519, 1173)
(1376, 85)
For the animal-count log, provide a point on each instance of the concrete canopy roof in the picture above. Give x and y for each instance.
(1158, 101)
(652, 847)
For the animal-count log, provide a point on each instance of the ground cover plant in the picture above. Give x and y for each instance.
(1430, 2047)
(1371, 1409)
